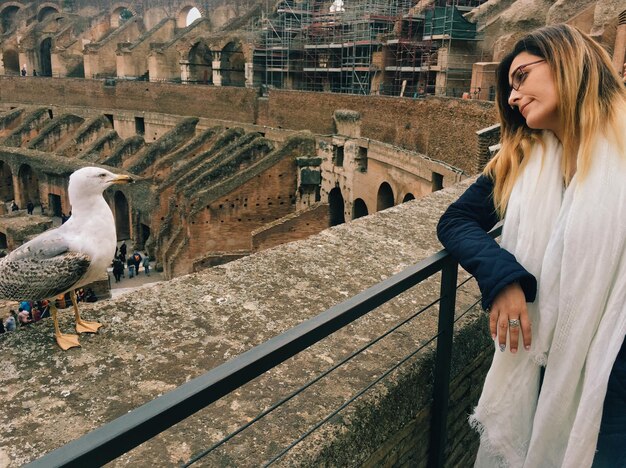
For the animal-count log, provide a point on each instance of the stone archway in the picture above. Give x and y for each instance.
(336, 207)
(384, 199)
(187, 14)
(11, 61)
(7, 17)
(3, 241)
(7, 192)
(28, 186)
(145, 234)
(233, 65)
(47, 9)
(45, 57)
(409, 196)
(122, 216)
(359, 208)
(200, 61)
(120, 13)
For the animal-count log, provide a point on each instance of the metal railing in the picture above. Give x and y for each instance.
(113, 439)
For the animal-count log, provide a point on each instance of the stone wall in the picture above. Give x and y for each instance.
(298, 225)
(422, 125)
(235, 104)
(441, 128)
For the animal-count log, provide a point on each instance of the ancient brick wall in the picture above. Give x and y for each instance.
(228, 221)
(235, 104)
(298, 226)
(441, 128)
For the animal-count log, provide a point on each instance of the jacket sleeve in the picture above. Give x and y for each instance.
(463, 232)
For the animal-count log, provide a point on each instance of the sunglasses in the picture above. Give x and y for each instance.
(519, 75)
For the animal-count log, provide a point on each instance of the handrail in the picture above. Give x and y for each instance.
(119, 436)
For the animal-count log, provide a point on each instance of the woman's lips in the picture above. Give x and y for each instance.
(523, 108)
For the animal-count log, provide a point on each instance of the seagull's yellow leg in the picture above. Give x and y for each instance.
(81, 325)
(65, 342)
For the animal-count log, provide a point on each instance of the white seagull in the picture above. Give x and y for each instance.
(70, 256)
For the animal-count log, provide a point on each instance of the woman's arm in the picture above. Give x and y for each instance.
(463, 232)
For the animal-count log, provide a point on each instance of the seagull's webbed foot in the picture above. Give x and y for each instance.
(87, 327)
(66, 342)
(82, 326)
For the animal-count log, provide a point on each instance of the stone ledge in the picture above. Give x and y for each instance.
(157, 338)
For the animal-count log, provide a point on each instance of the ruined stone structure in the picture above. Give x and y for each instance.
(211, 190)
(215, 189)
(369, 47)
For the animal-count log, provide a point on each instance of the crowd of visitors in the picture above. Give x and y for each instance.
(132, 263)
(33, 311)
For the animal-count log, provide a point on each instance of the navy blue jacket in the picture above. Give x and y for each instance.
(463, 232)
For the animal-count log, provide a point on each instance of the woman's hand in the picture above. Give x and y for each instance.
(510, 305)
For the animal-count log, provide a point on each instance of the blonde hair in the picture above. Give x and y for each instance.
(592, 102)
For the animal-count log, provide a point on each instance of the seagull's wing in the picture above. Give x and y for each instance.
(41, 269)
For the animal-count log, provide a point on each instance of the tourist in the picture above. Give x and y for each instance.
(14, 206)
(90, 296)
(24, 72)
(137, 261)
(26, 305)
(35, 313)
(10, 322)
(23, 317)
(44, 306)
(130, 263)
(80, 295)
(123, 250)
(146, 263)
(30, 207)
(560, 178)
(118, 269)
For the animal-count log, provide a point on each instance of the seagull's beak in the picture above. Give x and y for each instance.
(122, 179)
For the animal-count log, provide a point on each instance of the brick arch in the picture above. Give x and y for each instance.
(6, 5)
(183, 11)
(11, 61)
(385, 196)
(3, 240)
(116, 8)
(7, 190)
(233, 63)
(218, 45)
(45, 5)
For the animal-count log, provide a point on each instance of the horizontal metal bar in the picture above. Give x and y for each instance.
(128, 431)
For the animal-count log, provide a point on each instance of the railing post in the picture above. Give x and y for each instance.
(443, 361)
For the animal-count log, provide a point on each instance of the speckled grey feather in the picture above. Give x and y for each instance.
(41, 269)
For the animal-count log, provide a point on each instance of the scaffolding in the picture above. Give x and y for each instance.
(279, 50)
(367, 47)
(343, 50)
(455, 39)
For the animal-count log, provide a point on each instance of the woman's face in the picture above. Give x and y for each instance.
(536, 97)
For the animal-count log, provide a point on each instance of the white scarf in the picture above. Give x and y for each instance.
(573, 241)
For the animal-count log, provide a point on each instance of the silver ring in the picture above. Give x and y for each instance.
(513, 323)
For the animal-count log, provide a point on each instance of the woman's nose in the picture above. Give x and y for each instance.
(514, 97)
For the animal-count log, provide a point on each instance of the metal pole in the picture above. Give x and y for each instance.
(443, 361)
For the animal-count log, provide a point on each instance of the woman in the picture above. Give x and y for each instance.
(560, 178)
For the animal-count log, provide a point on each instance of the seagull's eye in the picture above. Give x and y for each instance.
(102, 176)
